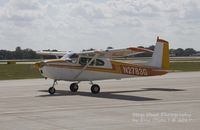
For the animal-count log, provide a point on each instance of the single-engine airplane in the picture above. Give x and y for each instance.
(99, 65)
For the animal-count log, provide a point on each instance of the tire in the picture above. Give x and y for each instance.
(74, 87)
(52, 90)
(95, 89)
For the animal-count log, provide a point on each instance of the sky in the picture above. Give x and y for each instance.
(73, 25)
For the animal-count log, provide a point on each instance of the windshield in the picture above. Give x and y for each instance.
(69, 56)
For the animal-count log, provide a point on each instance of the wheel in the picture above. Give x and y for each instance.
(52, 90)
(74, 87)
(95, 89)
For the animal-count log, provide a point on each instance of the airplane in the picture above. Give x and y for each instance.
(99, 65)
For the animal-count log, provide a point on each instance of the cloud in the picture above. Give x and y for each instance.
(76, 24)
(21, 12)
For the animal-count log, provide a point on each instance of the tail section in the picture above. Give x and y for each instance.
(160, 58)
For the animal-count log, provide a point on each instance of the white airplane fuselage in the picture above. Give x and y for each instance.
(63, 70)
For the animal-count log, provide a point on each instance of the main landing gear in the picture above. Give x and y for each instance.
(95, 89)
(74, 87)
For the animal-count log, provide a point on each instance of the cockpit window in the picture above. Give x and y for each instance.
(99, 62)
(70, 56)
(74, 55)
(84, 61)
(66, 56)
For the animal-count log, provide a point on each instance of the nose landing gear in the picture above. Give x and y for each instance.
(52, 90)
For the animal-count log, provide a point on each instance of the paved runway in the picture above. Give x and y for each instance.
(170, 102)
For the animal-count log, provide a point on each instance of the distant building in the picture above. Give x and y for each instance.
(197, 53)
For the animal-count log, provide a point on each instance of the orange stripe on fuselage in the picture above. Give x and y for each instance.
(55, 60)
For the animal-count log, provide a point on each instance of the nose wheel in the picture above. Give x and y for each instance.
(52, 90)
(95, 89)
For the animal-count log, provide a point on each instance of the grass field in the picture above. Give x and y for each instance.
(27, 71)
(18, 71)
(185, 66)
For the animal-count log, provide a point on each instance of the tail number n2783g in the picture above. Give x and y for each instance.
(134, 71)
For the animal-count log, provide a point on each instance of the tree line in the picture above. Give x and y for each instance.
(31, 54)
(173, 52)
(19, 54)
(182, 52)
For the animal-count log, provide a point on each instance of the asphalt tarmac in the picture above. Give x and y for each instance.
(170, 102)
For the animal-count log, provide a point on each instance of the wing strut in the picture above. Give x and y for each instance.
(85, 67)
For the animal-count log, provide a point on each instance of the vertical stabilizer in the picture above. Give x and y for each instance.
(160, 58)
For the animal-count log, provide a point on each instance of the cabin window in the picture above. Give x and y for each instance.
(84, 61)
(99, 62)
(73, 56)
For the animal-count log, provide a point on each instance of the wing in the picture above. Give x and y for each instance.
(114, 53)
(50, 53)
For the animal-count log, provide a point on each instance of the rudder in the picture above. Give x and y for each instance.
(160, 58)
